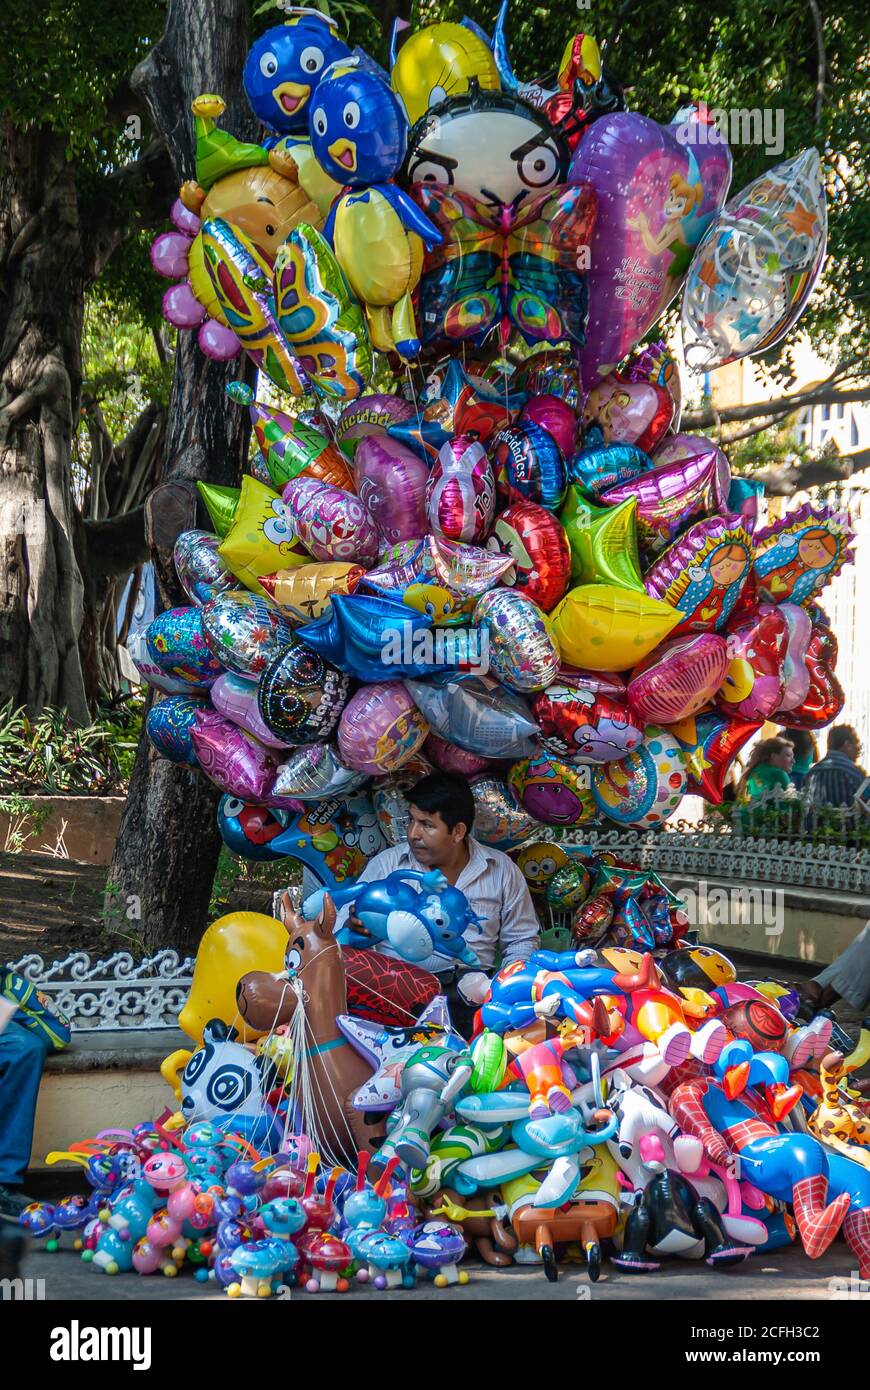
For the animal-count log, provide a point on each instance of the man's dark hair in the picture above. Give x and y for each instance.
(840, 737)
(448, 794)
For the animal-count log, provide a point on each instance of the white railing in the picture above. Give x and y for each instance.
(119, 992)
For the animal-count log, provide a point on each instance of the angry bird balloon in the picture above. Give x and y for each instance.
(359, 135)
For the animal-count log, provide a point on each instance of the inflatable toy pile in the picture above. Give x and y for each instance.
(527, 574)
(611, 1108)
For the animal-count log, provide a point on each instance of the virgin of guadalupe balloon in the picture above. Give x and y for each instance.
(391, 483)
(245, 632)
(647, 786)
(538, 547)
(668, 498)
(679, 678)
(580, 724)
(490, 145)
(703, 573)
(756, 267)
(380, 729)
(629, 412)
(528, 466)
(460, 492)
(522, 651)
(476, 712)
(313, 772)
(169, 724)
(200, 569)
(175, 642)
(301, 696)
(332, 524)
(797, 556)
(554, 792)
(499, 819)
(658, 188)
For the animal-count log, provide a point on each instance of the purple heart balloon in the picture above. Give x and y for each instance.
(658, 188)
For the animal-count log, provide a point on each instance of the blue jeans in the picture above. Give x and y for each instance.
(22, 1057)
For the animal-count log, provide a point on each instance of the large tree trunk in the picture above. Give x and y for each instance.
(41, 308)
(168, 842)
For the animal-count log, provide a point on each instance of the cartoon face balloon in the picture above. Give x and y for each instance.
(380, 729)
(335, 839)
(554, 792)
(248, 829)
(752, 688)
(647, 786)
(630, 412)
(490, 145)
(261, 538)
(581, 724)
(358, 130)
(284, 67)
(797, 556)
(755, 269)
(703, 573)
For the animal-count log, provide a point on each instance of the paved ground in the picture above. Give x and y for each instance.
(784, 1275)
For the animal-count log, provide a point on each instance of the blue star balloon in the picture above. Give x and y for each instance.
(377, 639)
(284, 67)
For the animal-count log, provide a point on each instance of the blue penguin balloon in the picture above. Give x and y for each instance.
(284, 67)
(358, 130)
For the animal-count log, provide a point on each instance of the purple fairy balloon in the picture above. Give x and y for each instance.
(657, 188)
(332, 524)
(234, 761)
(391, 483)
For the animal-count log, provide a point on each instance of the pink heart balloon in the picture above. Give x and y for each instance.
(679, 678)
(658, 188)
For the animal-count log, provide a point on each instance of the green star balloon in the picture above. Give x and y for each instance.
(221, 503)
(603, 541)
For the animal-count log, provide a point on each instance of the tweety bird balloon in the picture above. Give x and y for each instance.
(439, 62)
(359, 135)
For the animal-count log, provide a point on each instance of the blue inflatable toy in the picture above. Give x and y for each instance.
(413, 924)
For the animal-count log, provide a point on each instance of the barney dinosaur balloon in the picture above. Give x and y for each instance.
(658, 188)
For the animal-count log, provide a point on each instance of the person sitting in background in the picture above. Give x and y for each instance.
(767, 772)
(806, 753)
(836, 779)
(441, 810)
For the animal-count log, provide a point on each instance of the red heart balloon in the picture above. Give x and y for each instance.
(825, 698)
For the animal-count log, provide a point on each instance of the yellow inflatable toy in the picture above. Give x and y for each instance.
(230, 947)
(604, 628)
(439, 62)
(261, 538)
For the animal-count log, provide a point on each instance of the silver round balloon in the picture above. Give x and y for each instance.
(202, 571)
(499, 819)
(522, 652)
(245, 631)
(313, 772)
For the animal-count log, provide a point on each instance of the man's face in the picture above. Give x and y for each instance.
(429, 838)
(852, 749)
